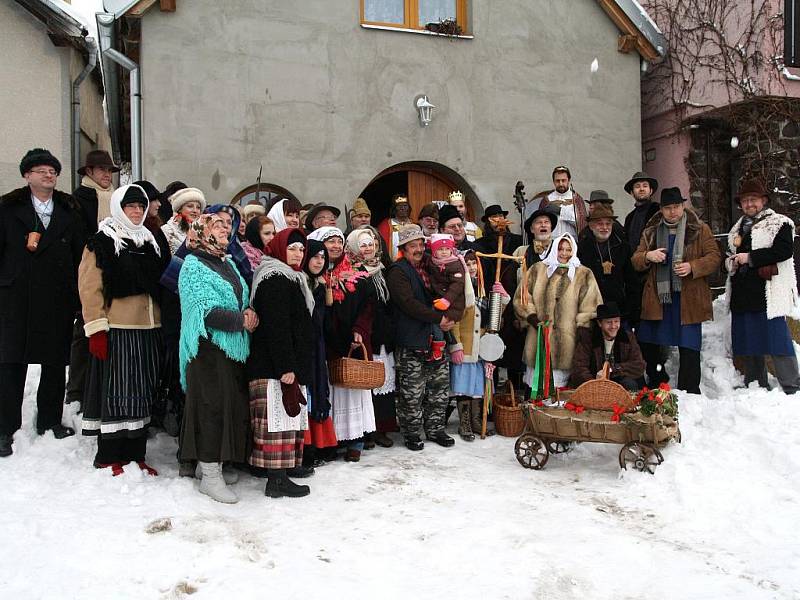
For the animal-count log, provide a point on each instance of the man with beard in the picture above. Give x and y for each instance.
(450, 221)
(473, 232)
(607, 254)
(563, 202)
(641, 187)
(429, 220)
(422, 384)
(399, 215)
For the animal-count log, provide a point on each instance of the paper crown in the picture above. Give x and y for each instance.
(456, 195)
(401, 200)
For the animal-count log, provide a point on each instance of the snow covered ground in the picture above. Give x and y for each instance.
(719, 519)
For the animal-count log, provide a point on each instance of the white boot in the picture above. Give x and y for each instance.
(213, 485)
(229, 474)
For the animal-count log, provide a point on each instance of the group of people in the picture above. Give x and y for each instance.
(219, 324)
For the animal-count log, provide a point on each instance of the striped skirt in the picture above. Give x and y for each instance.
(274, 449)
(120, 391)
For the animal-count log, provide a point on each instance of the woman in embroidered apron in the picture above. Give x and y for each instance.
(680, 253)
(280, 364)
(214, 345)
(762, 288)
(119, 290)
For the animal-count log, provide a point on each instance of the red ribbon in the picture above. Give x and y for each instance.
(547, 365)
(538, 403)
(618, 411)
(574, 408)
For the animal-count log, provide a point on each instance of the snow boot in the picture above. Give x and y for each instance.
(279, 485)
(477, 417)
(5, 445)
(464, 424)
(383, 440)
(229, 474)
(441, 438)
(213, 486)
(413, 443)
(300, 472)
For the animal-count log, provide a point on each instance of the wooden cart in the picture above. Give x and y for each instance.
(549, 430)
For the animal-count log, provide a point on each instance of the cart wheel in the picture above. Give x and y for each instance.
(558, 446)
(640, 456)
(531, 451)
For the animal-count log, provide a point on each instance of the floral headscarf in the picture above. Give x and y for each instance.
(234, 248)
(201, 237)
(372, 266)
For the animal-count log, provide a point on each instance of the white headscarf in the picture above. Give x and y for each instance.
(120, 228)
(278, 218)
(323, 233)
(551, 260)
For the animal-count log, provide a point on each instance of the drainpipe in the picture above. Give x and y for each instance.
(75, 136)
(136, 108)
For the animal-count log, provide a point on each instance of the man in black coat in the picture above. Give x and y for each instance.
(608, 255)
(451, 221)
(41, 241)
(643, 188)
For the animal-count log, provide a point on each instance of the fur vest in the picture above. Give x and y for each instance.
(781, 290)
(567, 304)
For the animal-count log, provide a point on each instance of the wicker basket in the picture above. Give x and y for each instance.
(602, 394)
(509, 420)
(356, 374)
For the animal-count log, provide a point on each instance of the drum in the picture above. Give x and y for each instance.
(491, 347)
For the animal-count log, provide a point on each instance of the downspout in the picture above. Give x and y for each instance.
(136, 109)
(75, 136)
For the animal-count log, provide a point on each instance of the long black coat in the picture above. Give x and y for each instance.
(86, 199)
(38, 290)
(622, 284)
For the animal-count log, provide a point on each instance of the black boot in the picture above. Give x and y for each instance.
(5, 445)
(300, 472)
(464, 424)
(279, 485)
(441, 438)
(414, 443)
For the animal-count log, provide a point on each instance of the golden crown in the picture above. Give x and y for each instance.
(456, 195)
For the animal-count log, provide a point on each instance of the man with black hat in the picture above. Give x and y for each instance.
(94, 193)
(389, 228)
(761, 288)
(540, 225)
(451, 221)
(422, 384)
(41, 241)
(642, 187)
(678, 252)
(321, 214)
(606, 252)
(562, 201)
(607, 342)
(496, 223)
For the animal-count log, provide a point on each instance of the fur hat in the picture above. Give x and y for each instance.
(409, 233)
(180, 198)
(641, 176)
(671, 196)
(98, 158)
(601, 211)
(252, 209)
(751, 187)
(447, 213)
(360, 207)
(38, 157)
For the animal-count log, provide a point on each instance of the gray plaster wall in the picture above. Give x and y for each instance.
(326, 104)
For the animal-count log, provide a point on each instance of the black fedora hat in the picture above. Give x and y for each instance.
(641, 176)
(98, 158)
(671, 195)
(492, 210)
(315, 210)
(541, 213)
(610, 310)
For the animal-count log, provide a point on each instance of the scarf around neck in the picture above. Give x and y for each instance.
(120, 229)
(667, 281)
(551, 260)
(103, 197)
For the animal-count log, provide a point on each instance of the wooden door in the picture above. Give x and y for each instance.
(425, 186)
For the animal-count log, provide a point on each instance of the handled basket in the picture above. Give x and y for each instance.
(602, 394)
(356, 374)
(508, 418)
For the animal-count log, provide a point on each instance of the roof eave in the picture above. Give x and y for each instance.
(631, 19)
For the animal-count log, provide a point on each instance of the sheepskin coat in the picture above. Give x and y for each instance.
(568, 304)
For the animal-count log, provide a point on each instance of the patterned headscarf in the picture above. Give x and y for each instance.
(201, 237)
(234, 248)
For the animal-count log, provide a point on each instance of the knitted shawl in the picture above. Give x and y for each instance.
(201, 290)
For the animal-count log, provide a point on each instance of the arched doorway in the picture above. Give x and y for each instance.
(421, 182)
(268, 195)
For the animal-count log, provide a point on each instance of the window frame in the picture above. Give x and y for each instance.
(411, 18)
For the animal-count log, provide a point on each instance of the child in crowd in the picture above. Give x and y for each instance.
(447, 272)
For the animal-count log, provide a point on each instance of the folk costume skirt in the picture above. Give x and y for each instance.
(120, 390)
(752, 334)
(277, 438)
(467, 379)
(353, 413)
(383, 398)
(216, 418)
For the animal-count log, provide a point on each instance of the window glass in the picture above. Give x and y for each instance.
(384, 11)
(433, 11)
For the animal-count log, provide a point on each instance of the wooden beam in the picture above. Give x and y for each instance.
(140, 8)
(624, 24)
(626, 43)
(168, 6)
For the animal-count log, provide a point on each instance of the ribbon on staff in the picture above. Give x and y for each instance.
(542, 382)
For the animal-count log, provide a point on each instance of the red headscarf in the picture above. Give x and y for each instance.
(277, 245)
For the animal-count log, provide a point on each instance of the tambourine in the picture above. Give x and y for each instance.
(491, 347)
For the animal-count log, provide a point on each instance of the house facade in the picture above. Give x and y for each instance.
(44, 51)
(324, 96)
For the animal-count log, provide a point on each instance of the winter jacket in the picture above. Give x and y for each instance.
(38, 290)
(467, 332)
(622, 284)
(447, 282)
(770, 242)
(590, 356)
(569, 305)
(636, 221)
(701, 251)
(414, 314)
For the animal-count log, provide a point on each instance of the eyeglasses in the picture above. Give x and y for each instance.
(50, 172)
(454, 226)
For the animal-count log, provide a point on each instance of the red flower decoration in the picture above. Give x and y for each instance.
(618, 411)
(664, 386)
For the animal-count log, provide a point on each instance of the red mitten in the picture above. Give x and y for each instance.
(98, 345)
(441, 304)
